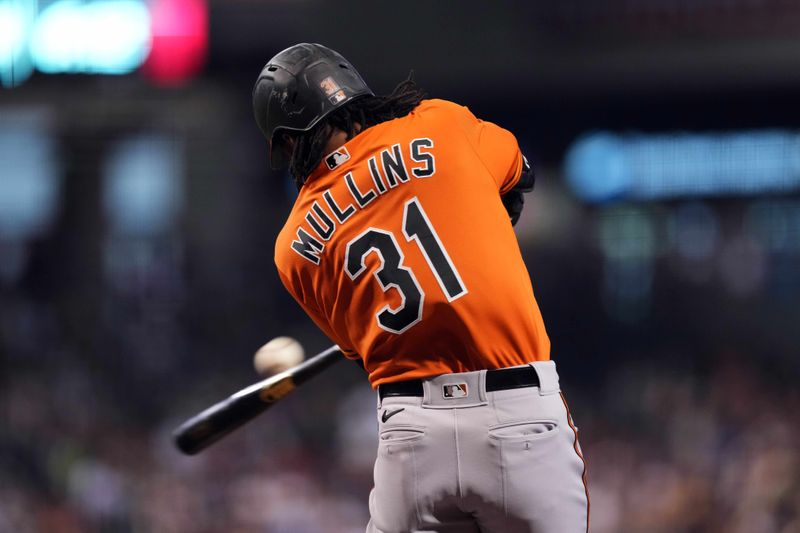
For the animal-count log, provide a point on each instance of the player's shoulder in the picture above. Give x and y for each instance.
(445, 108)
(446, 115)
(291, 232)
(283, 242)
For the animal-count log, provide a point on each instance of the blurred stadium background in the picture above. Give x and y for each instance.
(137, 219)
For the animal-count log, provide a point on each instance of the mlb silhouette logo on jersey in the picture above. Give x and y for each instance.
(336, 158)
(454, 390)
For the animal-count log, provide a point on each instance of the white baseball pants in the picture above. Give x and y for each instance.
(492, 462)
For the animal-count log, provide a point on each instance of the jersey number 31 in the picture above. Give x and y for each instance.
(392, 274)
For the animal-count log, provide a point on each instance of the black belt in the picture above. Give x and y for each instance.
(502, 379)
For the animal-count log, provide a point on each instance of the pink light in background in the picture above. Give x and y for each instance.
(180, 41)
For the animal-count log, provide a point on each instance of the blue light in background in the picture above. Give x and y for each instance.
(596, 168)
(603, 166)
(143, 185)
(108, 37)
(29, 178)
(15, 23)
(73, 36)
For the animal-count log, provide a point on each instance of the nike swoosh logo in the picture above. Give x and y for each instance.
(387, 415)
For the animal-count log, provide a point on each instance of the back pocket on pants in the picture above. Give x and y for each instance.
(398, 434)
(522, 430)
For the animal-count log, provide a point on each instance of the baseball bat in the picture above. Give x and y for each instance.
(207, 427)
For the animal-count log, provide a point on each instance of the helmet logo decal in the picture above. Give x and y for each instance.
(337, 157)
(332, 90)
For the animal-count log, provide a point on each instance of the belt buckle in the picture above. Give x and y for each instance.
(454, 391)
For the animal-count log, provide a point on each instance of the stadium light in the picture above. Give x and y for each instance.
(103, 37)
(106, 37)
(603, 167)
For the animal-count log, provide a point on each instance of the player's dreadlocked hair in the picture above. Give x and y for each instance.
(365, 111)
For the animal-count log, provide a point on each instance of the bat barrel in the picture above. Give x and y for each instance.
(220, 419)
(206, 428)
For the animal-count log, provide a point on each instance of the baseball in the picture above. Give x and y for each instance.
(279, 354)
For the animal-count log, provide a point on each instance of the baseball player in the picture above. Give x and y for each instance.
(400, 247)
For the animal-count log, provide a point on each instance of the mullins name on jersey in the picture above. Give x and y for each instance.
(387, 170)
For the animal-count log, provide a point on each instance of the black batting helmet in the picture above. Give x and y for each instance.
(298, 88)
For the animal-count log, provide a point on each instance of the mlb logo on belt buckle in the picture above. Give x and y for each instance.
(451, 391)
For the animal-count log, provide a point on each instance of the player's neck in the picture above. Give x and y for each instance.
(338, 138)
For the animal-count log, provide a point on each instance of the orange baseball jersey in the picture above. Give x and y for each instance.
(400, 249)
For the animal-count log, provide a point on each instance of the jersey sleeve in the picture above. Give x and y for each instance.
(496, 147)
(315, 314)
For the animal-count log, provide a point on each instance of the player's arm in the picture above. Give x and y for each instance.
(514, 199)
(323, 324)
(499, 152)
(318, 318)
